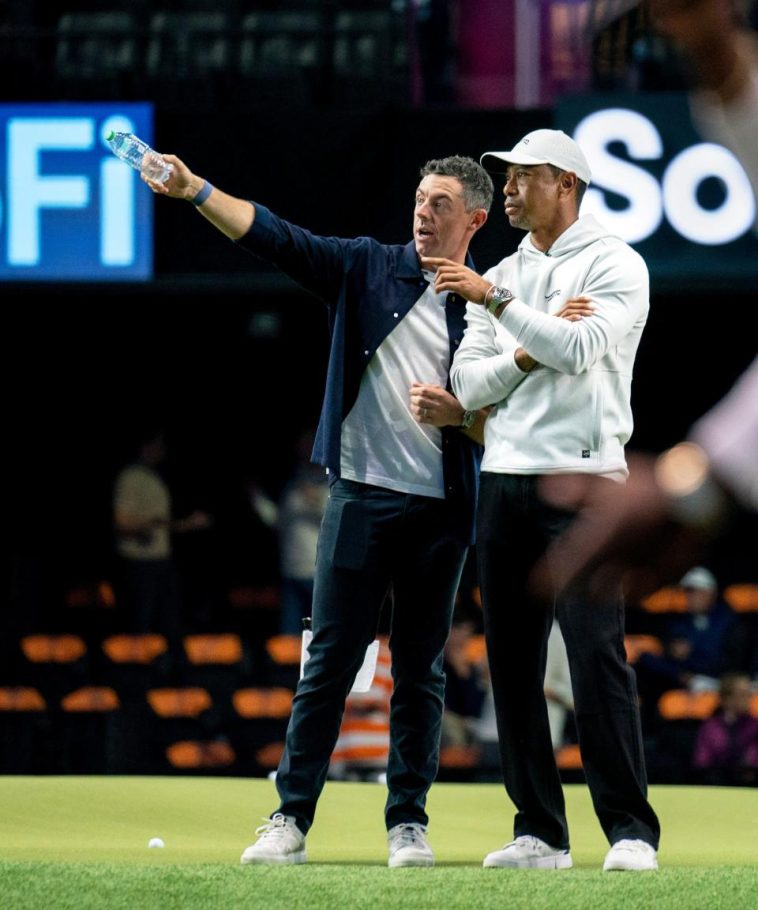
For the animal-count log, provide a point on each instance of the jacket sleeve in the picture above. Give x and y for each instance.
(317, 263)
(483, 373)
(617, 285)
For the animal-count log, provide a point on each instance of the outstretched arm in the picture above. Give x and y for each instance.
(232, 216)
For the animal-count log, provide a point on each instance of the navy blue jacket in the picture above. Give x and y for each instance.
(367, 288)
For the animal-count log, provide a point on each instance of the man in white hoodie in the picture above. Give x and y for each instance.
(561, 394)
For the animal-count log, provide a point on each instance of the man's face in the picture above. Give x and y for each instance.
(738, 700)
(531, 197)
(699, 600)
(441, 224)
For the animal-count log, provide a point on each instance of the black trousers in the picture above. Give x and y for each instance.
(374, 540)
(514, 527)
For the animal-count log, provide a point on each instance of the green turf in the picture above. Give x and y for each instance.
(81, 842)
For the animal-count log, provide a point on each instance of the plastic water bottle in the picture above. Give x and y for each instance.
(139, 155)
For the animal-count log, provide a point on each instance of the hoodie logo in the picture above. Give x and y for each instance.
(549, 297)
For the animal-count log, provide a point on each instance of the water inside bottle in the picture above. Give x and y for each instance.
(155, 168)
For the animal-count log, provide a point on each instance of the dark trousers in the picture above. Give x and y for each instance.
(372, 541)
(514, 527)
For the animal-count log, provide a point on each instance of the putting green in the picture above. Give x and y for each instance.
(210, 821)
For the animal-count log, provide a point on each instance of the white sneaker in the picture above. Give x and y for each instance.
(279, 841)
(408, 846)
(631, 856)
(527, 852)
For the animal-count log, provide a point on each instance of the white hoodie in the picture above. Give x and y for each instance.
(572, 412)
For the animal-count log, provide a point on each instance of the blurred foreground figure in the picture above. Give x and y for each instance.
(651, 529)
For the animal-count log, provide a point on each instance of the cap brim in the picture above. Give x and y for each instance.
(498, 162)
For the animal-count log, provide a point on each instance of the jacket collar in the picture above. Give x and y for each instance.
(408, 265)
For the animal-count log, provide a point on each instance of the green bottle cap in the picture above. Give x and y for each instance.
(110, 136)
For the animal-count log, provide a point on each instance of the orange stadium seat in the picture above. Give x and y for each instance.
(671, 599)
(190, 701)
(21, 699)
(284, 649)
(200, 755)
(55, 663)
(135, 662)
(476, 649)
(637, 645)
(91, 700)
(569, 758)
(225, 648)
(742, 598)
(53, 649)
(134, 649)
(270, 755)
(263, 703)
(459, 757)
(681, 704)
(22, 728)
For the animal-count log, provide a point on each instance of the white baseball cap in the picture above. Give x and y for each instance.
(699, 579)
(542, 147)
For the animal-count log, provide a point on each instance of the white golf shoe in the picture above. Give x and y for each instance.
(408, 846)
(279, 841)
(527, 852)
(631, 856)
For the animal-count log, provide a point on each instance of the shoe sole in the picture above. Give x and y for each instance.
(407, 863)
(559, 861)
(289, 859)
(628, 867)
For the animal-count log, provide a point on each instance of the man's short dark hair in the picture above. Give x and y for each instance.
(476, 182)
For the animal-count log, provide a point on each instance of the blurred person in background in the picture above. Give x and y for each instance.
(697, 643)
(726, 749)
(301, 509)
(143, 525)
(466, 682)
(648, 531)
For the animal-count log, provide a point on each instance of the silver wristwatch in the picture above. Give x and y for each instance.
(468, 419)
(497, 297)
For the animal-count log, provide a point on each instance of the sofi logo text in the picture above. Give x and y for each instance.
(677, 197)
(70, 209)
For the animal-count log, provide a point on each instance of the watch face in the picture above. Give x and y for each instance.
(501, 295)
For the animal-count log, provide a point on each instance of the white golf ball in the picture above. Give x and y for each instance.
(155, 842)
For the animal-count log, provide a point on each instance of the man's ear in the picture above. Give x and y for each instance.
(478, 218)
(569, 181)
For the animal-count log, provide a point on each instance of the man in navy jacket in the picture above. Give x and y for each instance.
(403, 457)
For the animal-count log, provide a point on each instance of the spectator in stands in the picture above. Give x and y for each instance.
(726, 749)
(143, 526)
(301, 509)
(403, 456)
(466, 682)
(696, 643)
